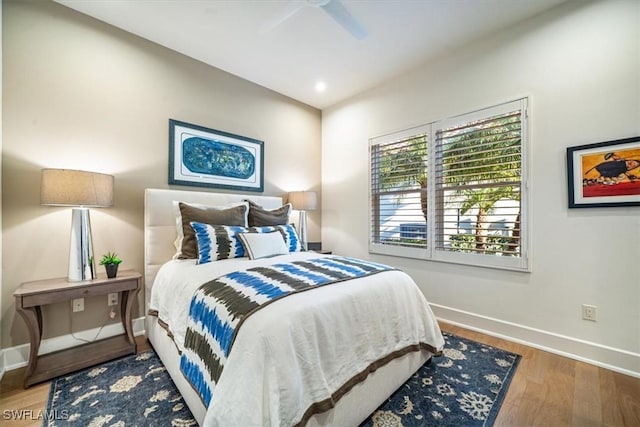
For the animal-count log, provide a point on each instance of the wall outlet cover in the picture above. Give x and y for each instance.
(77, 305)
(112, 299)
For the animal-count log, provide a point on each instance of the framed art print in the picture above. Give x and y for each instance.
(604, 174)
(203, 157)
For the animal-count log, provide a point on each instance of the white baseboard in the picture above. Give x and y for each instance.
(16, 357)
(615, 359)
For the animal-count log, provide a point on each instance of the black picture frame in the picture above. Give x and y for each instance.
(604, 174)
(204, 157)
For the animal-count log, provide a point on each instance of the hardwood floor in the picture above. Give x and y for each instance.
(547, 390)
(551, 390)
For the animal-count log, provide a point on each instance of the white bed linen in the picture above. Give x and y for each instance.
(301, 349)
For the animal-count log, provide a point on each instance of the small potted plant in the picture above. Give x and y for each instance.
(110, 261)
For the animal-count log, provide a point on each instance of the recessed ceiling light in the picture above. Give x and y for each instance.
(321, 86)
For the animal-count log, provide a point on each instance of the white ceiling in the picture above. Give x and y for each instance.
(242, 38)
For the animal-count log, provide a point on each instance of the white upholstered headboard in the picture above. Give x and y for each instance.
(160, 223)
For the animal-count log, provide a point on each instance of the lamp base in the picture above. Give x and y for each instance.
(302, 223)
(81, 260)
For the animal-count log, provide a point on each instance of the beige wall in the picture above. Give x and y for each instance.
(580, 66)
(80, 94)
(1, 367)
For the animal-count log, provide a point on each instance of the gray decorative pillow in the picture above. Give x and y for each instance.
(189, 214)
(258, 216)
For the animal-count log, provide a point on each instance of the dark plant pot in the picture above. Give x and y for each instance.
(112, 270)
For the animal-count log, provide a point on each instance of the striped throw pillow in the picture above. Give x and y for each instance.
(217, 242)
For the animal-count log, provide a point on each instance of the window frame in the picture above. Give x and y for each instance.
(380, 248)
(430, 252)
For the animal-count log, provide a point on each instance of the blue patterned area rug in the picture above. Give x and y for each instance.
(132, 391)
(464, 387)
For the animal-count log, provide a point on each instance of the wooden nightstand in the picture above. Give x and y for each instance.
(317, 247)
(31, 296)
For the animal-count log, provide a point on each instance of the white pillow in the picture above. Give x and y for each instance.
(178, 216)
(262, 245)
(288, 232)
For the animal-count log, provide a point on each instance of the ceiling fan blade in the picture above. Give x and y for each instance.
(291, 8)
(339, 12)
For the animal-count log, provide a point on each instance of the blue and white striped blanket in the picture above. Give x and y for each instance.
(219, 307)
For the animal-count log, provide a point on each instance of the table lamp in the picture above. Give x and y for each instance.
(303, 201)
(67, 187)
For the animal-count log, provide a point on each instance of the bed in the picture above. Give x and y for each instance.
(327, 356)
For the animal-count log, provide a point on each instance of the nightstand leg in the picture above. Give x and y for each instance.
(33, 318)
(128, 298)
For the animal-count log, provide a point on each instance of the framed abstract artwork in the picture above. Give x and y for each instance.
(605, 174)
(203, 157)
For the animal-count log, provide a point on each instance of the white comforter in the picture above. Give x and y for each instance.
(301, 349)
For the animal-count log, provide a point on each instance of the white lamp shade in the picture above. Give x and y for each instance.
(67, 187)
(303, 200)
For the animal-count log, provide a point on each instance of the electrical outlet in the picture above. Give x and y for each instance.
(77, 304)
(112, 299)
(589, 312)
